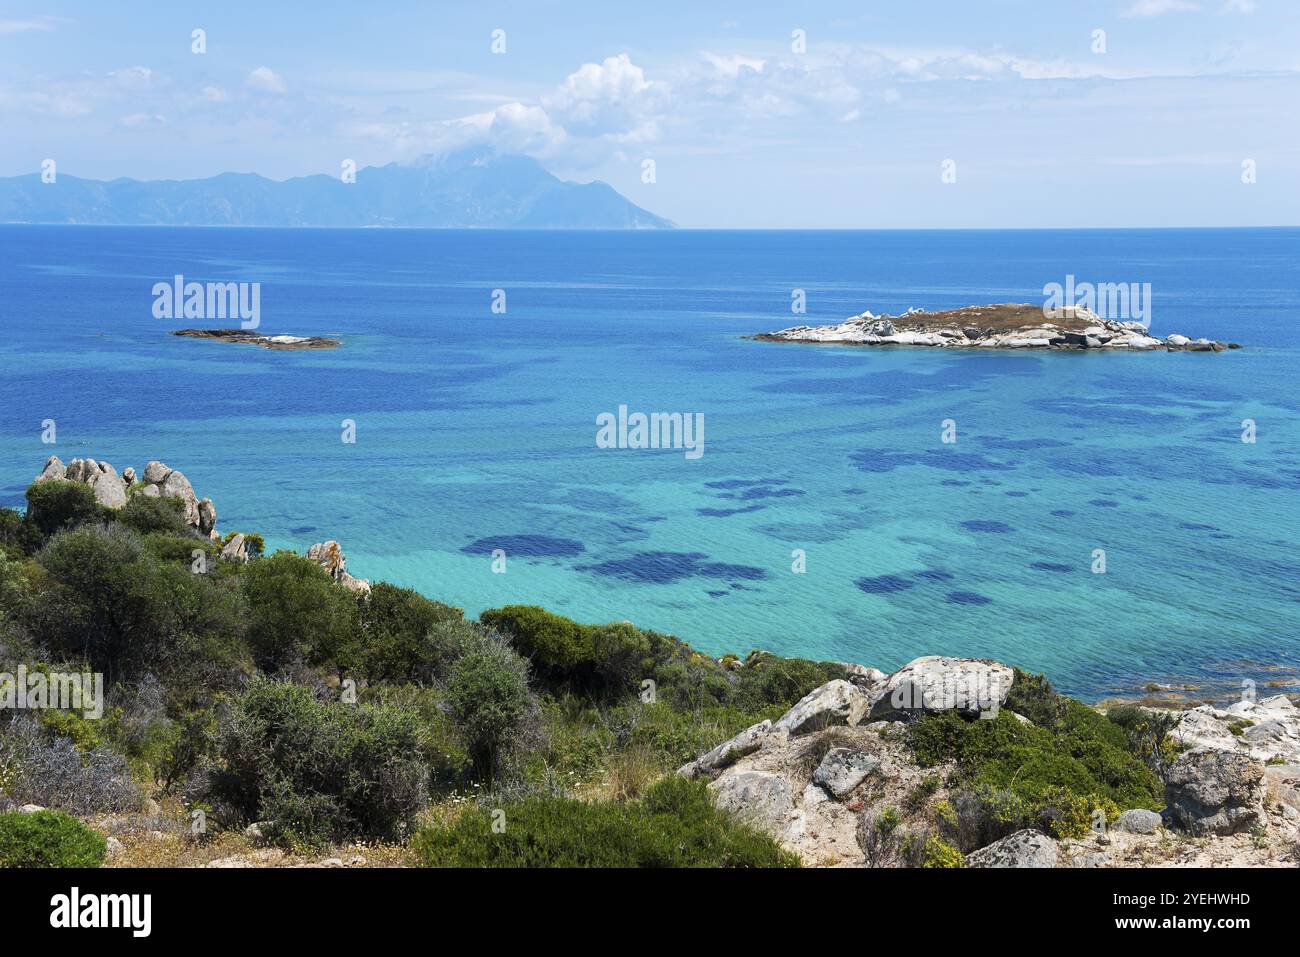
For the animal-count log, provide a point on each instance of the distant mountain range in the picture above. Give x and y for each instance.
(470, 188)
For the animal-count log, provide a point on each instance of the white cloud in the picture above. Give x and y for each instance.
(1158, 8)
(215, 94)
(266, 80)
(1240, 6)
(26, 26)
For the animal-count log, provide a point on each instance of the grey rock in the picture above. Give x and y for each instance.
(1139, 821)
(207, 516)
(971, 686)
(1026, 848)
(235, 550)
(155, 473)
(114, 847)
(836, 702)
(756, 797)
(54, 470)
(727, 753)
(176, 485)
(1215, 792)
(843, 769)
(128, 475)
(1092, 859)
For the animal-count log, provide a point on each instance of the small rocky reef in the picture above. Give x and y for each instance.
(1001, 326)
(281, 343)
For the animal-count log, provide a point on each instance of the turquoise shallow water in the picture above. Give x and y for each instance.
(477, 430)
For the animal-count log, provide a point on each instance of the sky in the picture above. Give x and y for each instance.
(858, 114)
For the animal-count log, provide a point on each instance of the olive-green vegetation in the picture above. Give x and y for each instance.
(48, 839)
(674, 825)
(264, 692)
(1056, 772)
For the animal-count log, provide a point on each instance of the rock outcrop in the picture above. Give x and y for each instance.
(843, 769)
(727, 753)
(109, 487)
(971, 686)
(836, 702)
(1266, 730)
(1021, 849)
(756, 797)
(1002, 326)
(329, 555)
(1215, 792)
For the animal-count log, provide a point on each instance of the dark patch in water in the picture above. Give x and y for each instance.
(877, 461)
(968, 598)
(302, 529)
(1062, 513)
(717, 594)
(1016, 494)
(986, 525)
(1051, 567)
(955, 483)
(724, 512)
(1103, 503)
(526, 546)
(1198, 527)
(934, 575)
(664, 567)
(883, 584)
(753, 493)
(744, 483)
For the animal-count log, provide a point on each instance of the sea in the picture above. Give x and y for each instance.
(1114, 520)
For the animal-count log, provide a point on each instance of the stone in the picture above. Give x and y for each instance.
(836, 702)
(727, 753)
(176, 485)
(235, 550)
(862, 676)
(110, 489)
(1215, 792)
(1026, 848)
(843, 769)
(54, 470)
(207, 516)
(30, 808)
(755, 797)
(1139, 821)
(128, 475)
(971, 686)
(155, 473)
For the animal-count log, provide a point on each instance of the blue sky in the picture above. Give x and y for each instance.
(745, 130)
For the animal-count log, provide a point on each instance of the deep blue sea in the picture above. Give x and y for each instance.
(477, 430)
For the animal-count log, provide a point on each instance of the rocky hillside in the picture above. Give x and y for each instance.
(843, 779)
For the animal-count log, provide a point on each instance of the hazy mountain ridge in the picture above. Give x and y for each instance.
(472, 188)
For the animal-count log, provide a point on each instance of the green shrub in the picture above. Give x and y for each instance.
(400, 634)
(674, 825)
(490, 702)
(154, 513)
(554, 644)
(56, 505)
(319, 771)
(770, 680)
(48, 839)
(296, 612)
(937, 853)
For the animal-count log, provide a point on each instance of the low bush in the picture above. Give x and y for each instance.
(674, 825)
(319, 771)
(48, 839)
(400, 635)
(491, 703)
(41, 767)
(297, 613)
(153, 513)
(55, 505)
